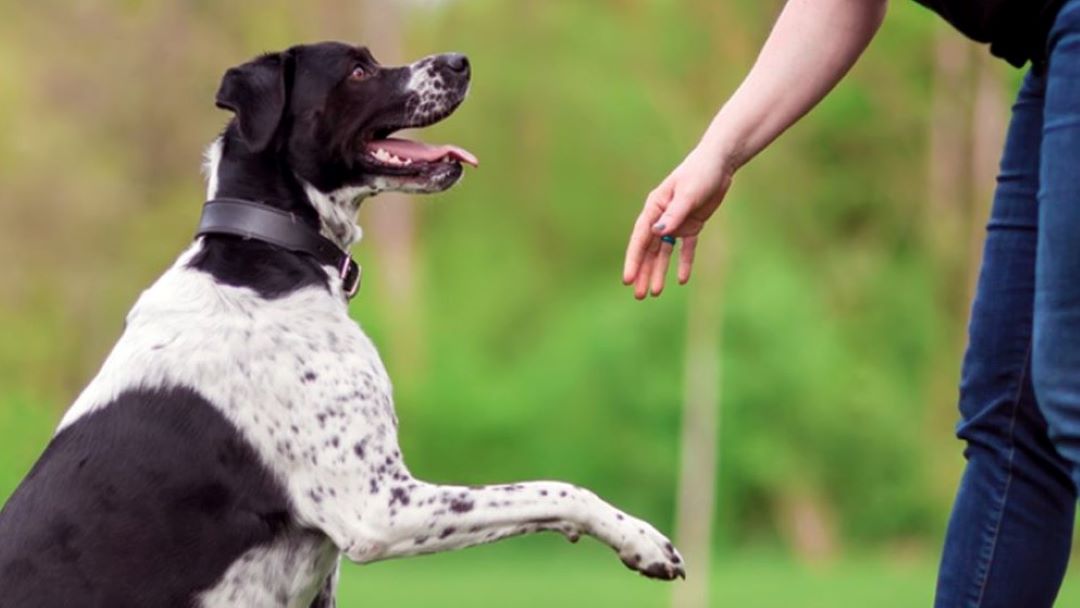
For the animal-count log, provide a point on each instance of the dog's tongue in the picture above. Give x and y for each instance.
(420, 152)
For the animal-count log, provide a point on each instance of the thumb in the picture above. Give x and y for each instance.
(681, 205)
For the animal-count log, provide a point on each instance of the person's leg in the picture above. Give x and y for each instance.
(1056, 354)
(1008, 539)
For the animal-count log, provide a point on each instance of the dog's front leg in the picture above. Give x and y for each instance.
(425, 518)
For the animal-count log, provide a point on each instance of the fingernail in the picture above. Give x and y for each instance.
(659, 226)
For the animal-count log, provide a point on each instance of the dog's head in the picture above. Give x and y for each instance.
(324, 115)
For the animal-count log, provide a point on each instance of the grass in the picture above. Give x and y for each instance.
(539, 572)
(542, 572)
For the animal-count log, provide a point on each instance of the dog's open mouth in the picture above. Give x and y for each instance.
(413, 166)
(395, 163)
(402, 153)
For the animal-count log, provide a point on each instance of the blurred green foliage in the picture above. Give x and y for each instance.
(842, 323)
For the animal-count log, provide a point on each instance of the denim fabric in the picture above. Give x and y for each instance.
(1010, 532)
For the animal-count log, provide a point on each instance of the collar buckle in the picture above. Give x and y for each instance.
(350, 276)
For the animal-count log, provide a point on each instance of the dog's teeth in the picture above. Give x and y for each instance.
(389, 158)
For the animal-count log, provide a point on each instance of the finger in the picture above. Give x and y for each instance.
(660, 268)
(641, 235)
(641, 283)
(636, 249)
(686, 258)
(674, 215)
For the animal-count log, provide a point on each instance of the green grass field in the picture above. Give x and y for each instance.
(547, 571)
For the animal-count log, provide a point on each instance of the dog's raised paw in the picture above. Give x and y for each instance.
(651, 554)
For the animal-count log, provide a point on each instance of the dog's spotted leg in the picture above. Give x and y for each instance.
(425, 518)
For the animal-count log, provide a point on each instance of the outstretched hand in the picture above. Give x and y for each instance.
(678, 207)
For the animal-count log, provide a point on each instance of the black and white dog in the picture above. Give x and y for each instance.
(241, 435)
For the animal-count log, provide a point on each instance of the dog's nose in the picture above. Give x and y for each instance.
(457, 62)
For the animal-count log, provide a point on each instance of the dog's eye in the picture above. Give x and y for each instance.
(358, 73)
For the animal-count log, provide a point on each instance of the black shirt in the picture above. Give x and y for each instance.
(1016, 29)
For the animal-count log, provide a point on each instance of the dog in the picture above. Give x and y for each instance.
(240, 438)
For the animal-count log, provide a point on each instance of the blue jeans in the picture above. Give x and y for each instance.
(1010, 532)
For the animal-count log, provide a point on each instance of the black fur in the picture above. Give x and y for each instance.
(299, 115)
(271, 271)
(142, 503)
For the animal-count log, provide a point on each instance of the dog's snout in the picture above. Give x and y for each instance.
(456, 62)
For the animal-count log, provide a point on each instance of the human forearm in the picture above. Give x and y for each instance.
(812, 46)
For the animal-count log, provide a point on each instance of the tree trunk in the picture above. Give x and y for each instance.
(700, 426)
(949, 129)
(390, 220)
(990, 114)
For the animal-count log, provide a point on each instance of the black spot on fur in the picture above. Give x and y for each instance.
(659, 570)
(399, 495)
(461, 506)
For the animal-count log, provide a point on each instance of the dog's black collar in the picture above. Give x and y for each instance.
(252, 220)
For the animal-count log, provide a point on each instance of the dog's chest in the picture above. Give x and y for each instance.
(302, 383)
(292, 373)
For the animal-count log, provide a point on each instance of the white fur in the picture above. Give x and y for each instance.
(211, 162)
(337, 211)
(430, 88)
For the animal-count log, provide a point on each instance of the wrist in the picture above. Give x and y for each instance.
(721, 145)
(719, 154)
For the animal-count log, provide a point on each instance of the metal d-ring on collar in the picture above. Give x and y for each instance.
(252, 220)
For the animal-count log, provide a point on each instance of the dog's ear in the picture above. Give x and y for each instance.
(256, 93)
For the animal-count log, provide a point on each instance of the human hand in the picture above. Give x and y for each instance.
(678, 207)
